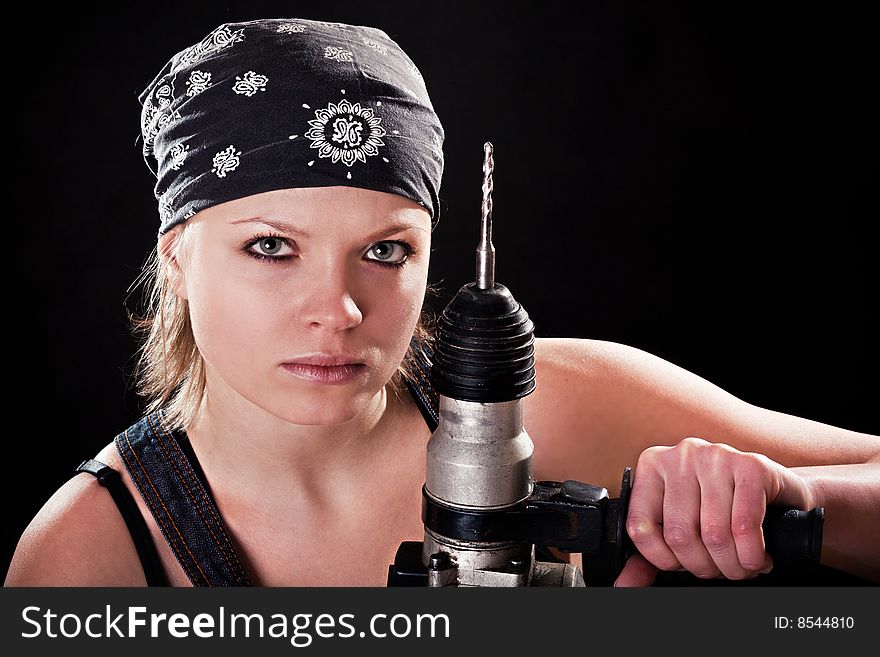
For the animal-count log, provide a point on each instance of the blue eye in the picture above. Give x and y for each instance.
(269, 246)
(385, 253)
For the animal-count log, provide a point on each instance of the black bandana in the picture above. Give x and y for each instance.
(279, 103)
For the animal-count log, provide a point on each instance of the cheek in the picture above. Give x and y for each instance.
(227, 315)
(397, 313)
(394, 303)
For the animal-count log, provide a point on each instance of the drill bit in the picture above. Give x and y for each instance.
(486, 250)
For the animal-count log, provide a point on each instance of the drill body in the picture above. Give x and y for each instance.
(484, 514)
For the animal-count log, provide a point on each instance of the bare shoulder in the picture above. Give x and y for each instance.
(78, 538)
(601, 359)
(619, 376)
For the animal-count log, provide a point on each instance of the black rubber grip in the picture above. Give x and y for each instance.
(793, 538)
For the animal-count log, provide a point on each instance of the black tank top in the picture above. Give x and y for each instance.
(169, 478)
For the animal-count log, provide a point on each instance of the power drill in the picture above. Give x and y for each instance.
(486, 520)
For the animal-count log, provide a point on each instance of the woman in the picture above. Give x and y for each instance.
(298, 167)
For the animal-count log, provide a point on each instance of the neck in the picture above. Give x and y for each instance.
(257, 458)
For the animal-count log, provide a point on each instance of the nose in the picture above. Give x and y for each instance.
(329, 304)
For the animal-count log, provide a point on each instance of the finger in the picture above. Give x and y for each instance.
(644, 519)
(637, 571)
(747, 514)
(716, 495)
(681, 525)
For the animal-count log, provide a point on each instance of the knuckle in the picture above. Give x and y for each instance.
(678, 536)
(693, 443)
(720, 455)
(752, 461)
(716, 536)
(751, 467)
(639, 528)
(744, 524)
(752, 565)
(650, 456)
(757, 459)
(691, 452)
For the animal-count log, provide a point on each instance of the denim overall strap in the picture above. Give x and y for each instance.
(182, 507)
(420, 386)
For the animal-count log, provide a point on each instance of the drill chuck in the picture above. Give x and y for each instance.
(485, 347)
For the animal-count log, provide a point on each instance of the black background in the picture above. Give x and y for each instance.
(691, 180)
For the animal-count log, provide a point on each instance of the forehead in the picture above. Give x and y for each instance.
(324, 205)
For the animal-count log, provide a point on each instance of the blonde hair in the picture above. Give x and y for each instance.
(170, 371)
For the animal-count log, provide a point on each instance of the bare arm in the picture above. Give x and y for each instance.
(600, 405)
(851, 497)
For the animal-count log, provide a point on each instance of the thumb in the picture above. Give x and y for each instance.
(637, 571)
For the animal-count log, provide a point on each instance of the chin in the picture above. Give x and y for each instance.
(303, 408)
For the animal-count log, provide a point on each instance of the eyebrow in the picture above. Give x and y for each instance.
(282, 227)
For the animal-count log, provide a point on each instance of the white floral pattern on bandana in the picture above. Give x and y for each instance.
(164, 95)
(226, 161)
(291, 28)
(221, 37)
(375, 45)
(165, 211)
(346, 132)
(250, 84)
(339, 54)
(198, 82)
(157, 120)
(157, 115)
(436, 147)
(178, 155)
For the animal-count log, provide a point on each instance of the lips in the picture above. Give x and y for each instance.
(326, 374)
(325, 360)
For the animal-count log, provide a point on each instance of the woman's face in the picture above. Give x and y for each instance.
(340, 270)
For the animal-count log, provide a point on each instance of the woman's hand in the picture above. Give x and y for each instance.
(699, 506)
